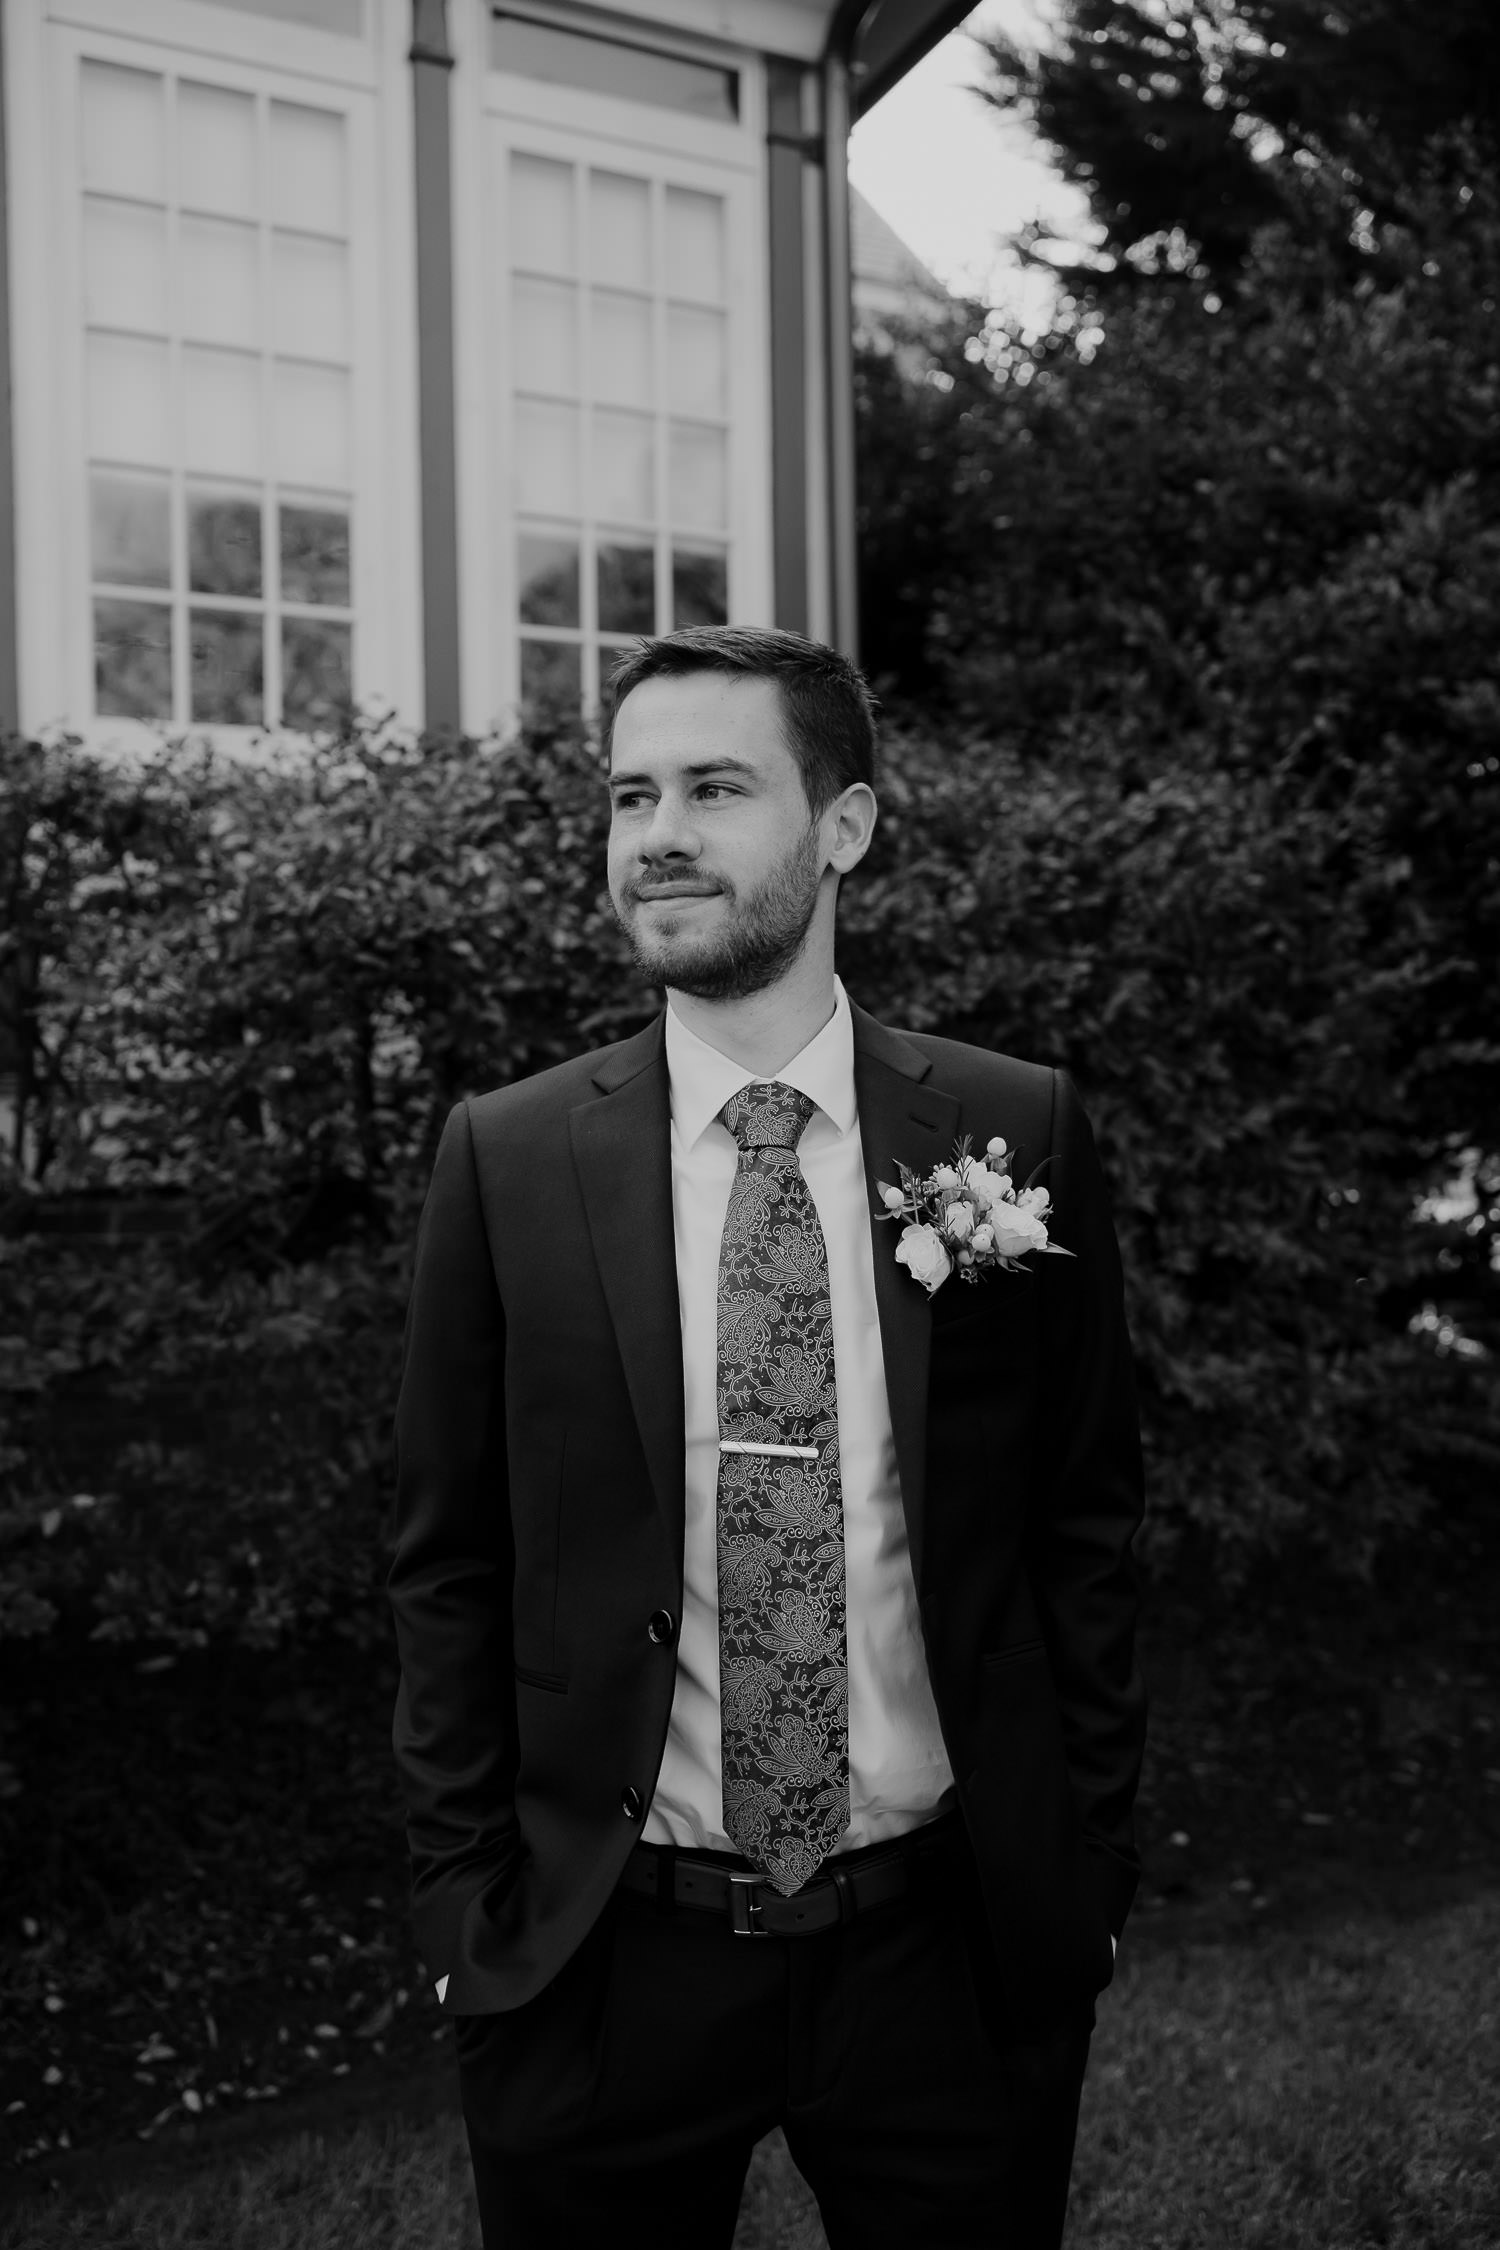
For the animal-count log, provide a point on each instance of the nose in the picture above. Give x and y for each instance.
(670, 834)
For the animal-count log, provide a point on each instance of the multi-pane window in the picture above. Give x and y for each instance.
(627, 72)
(323, 15)
(218, 371)
(618, 321)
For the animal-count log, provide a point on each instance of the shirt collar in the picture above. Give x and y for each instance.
(702, 1080)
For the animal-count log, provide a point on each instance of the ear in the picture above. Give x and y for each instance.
(848, 826)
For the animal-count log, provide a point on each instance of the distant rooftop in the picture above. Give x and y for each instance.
(888, 274)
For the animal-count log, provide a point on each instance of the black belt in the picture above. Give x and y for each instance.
(842, 1888)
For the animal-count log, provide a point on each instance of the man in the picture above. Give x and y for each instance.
(769, 1722)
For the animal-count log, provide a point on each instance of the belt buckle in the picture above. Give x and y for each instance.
(744, 1911)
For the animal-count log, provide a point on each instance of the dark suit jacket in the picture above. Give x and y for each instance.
(539, 1519)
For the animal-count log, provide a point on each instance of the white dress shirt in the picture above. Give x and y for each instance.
(898, 1769)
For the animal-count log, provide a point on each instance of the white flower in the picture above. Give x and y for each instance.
(959, 1223)
(1017, 1231)
(988, 1188)
(967, 1214)
(922, 1253)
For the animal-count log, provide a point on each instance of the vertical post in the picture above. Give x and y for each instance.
(785, 147)
(10, 684)
(431, 61)
(844, 550)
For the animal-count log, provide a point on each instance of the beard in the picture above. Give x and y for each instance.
(760, 936)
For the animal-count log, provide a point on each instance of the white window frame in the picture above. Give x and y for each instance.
(494, 114)
(242, 52)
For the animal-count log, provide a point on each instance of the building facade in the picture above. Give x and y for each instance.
(419, 352)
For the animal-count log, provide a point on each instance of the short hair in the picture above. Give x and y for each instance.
(827, 709)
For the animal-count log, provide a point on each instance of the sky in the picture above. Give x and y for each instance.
(954, 178)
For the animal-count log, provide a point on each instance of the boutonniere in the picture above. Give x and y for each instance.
(969, 1216)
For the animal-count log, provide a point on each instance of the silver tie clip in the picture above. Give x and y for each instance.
(781, 1452)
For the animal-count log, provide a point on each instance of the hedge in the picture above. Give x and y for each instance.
(256, 988)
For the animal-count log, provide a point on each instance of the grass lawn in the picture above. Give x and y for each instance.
(1325, 2090)
(203, 1871)
(1316, 2092)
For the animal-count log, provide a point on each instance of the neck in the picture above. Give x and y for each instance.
(765, 1030)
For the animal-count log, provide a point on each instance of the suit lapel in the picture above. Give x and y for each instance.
(622, 1153)
(903, 1120)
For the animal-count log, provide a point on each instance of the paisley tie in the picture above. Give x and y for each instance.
(783, 1669)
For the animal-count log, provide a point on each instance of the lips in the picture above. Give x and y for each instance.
(644, 897)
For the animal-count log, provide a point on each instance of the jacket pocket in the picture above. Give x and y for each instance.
(993, 1658)
(552, 1683)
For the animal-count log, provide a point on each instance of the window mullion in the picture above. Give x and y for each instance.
(177, 405)
(588, 527)
(662, 541)
(270, 541)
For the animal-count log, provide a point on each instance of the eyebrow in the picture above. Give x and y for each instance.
(697, 772)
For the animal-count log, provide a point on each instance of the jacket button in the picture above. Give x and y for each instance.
(662, 1628)
(630, 1804)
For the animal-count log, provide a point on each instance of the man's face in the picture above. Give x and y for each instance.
(715, 860)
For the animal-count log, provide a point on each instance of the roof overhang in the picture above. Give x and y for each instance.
(879, 39)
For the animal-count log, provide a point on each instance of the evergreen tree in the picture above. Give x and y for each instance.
(1191, 125)
(1172, 557)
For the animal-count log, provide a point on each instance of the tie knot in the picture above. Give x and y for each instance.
(768, 1115)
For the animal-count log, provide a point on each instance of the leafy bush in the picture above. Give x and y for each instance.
(273, 972)
(259, 987)
(202, 1454)
(275, 1017)
(1214, 591)
(82, 849)
(1228, 965)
